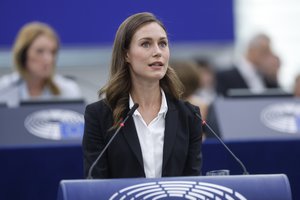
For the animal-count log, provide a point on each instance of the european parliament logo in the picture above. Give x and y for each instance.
(55, 124)
(177, 190)
(282, 117)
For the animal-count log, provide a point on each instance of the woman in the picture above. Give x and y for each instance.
(35, 52)
(163, 137)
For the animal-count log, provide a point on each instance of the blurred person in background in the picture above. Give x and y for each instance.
(189, 75)
(297, 86)
(207, 88)
(34, 55)
(193, 82)
(270, 71)
(256, 71)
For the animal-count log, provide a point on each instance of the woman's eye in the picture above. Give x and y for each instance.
(146, 44)
(40, 51)
(54, 52)
(163, 44)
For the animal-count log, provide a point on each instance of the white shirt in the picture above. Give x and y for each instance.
(13, 90)
(151, 138)
(253, 79)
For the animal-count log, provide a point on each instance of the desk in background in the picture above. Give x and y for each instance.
(31, 164)
(32, 167)
(42, 123)
(243, 119)
(34, 172)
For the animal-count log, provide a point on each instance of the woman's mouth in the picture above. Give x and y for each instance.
(156, 64)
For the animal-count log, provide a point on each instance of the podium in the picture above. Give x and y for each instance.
(239, 187)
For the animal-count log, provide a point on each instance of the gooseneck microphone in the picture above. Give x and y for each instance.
(122, 123)
(245, 172)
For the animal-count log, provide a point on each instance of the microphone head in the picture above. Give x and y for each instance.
(134, 107)
(192, 109)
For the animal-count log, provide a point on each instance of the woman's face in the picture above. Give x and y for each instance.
(148, 53)
(41, 57)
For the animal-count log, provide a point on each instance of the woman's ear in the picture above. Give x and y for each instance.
(127, 58)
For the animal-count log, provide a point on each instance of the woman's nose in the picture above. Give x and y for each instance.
(156, 51)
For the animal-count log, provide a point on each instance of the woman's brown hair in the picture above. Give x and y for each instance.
(25, 38)
(119, 84)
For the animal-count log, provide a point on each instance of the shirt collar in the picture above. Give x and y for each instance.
(163, 107)
(247, 69)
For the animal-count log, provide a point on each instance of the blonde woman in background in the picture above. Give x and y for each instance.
(34, 54)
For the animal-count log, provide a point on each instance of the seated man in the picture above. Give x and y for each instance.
(256, 71)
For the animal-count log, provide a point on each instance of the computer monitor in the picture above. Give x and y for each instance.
(42, 123)
(258, 118)
(52, 102)
(247, 93)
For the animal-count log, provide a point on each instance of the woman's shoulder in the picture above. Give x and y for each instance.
(99, 106)
(184, 107)
(174, 102)
(101, 111)
(68, 87)
(9, 80)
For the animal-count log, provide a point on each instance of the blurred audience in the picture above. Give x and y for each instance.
(34, 54)
(207, 93)
(297, 86)
(189, 76)
(256, 71)
(207, 87)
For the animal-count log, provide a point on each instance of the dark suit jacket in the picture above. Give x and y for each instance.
(123, 158)
(232, 79)
(229, 79)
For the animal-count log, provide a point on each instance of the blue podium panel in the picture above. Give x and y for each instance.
(245, 187)
(258, 118)
(42, 123)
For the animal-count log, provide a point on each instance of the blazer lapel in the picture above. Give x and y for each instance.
(131, 136)
(171, 123)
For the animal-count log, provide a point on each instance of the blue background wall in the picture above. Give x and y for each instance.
(95, 22)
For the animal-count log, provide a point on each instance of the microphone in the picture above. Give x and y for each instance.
(245, 172)
(131, 111)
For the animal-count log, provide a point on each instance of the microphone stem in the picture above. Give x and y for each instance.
(131, 111)
(220, 140)
(106, 146)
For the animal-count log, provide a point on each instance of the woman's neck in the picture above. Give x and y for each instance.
(146, 95)
(35, 87)
(149, 98)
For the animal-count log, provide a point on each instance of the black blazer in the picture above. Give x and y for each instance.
(123, 158)
(232, 79)
(229, 79)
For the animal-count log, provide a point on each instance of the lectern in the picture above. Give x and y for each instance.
(239, 187)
